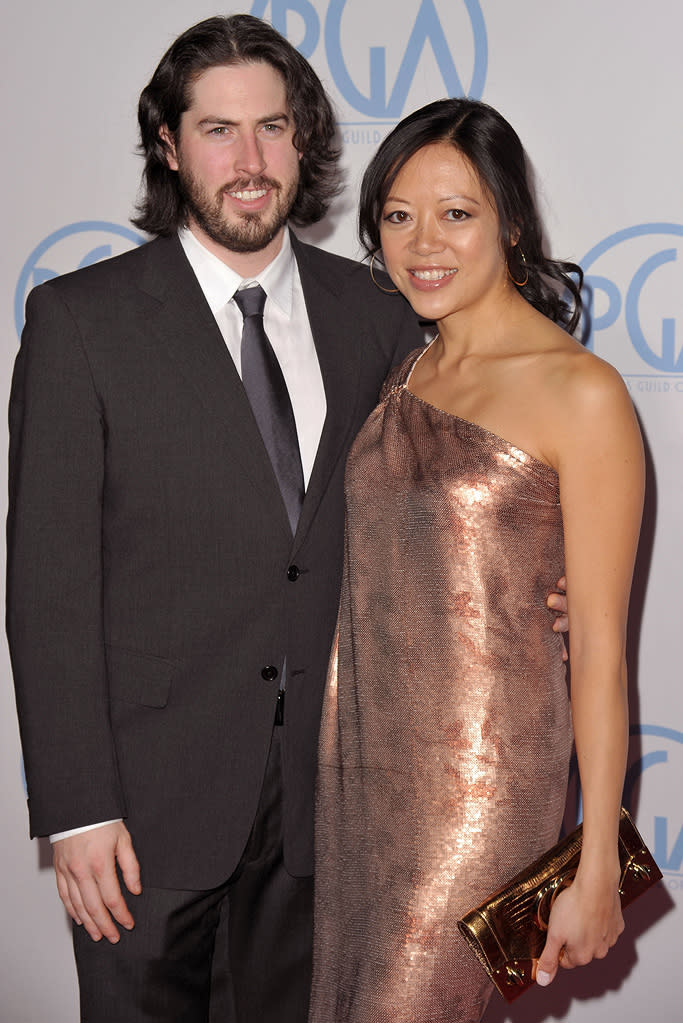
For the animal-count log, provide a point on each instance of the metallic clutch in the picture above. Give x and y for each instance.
(507, 932)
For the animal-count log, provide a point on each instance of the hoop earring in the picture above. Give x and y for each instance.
(387, 291)
(520, 284)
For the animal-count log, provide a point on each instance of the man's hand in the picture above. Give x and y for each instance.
(557, 602)
(87, 881)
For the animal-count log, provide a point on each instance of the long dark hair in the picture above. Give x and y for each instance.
(215, 42)
(492, 147)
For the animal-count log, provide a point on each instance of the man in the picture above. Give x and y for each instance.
(156, 584)
(167, 587)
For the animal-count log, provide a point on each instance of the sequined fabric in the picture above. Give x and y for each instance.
(446, 731)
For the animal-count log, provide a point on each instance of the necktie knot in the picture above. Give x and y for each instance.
(250, 301)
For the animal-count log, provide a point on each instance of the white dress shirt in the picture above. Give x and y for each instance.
(286, 323)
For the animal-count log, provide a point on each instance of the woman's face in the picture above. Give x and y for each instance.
(440, 235)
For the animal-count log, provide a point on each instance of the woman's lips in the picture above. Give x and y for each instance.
(428, 278)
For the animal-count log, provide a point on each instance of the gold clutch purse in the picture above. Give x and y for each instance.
(507, 932)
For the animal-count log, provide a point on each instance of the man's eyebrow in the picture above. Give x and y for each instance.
(281, 116)
(228, 123)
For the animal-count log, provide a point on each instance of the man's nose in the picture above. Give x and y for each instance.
(250, 160)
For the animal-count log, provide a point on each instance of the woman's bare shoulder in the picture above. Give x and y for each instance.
(566, 367)
(571, 396)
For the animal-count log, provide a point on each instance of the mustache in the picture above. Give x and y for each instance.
(243, 184)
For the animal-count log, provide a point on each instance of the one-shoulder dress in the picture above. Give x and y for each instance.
(446, 732)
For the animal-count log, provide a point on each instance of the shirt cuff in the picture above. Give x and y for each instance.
(79, 831)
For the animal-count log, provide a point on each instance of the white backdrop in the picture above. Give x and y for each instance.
(594, 89)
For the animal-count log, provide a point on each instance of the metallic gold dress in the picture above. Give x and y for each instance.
(446, 732)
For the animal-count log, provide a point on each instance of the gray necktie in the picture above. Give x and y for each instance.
(267, 391)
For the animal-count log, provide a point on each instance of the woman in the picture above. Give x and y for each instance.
(499, 454)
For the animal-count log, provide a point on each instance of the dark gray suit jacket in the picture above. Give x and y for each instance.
(149, 549)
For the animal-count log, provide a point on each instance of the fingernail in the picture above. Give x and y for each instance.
(542, 978)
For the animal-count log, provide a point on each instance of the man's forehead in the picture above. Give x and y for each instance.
(243, 84)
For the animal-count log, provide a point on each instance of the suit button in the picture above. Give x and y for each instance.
(269, 673)
(293, 573)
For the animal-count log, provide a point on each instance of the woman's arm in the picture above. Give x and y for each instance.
(599, 457)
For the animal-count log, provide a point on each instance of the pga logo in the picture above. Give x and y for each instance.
(376, 51)
(634, 289)
(70, 248)
(653, 786)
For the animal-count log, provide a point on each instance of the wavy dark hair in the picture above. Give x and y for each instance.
(492, 147)
(215, 42)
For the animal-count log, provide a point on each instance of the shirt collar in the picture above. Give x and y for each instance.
(219, 283)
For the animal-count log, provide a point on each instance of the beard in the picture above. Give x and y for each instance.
(243, 232)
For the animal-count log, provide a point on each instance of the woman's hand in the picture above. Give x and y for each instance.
(557, 602)
(584, 924)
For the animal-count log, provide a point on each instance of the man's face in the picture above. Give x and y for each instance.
(236, 162)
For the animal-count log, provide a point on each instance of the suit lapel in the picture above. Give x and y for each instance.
(338, 344)
(188, 333)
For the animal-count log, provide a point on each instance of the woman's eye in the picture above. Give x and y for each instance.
(396, 217)
(457, 215)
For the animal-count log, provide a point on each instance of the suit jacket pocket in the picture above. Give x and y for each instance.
(139, 678)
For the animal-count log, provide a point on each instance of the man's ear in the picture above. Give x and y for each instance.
(168, 142)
